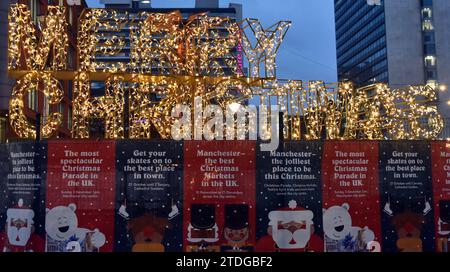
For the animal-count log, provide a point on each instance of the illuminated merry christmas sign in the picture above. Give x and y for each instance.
(156, 61)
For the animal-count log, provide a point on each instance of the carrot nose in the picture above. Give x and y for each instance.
(148, 231)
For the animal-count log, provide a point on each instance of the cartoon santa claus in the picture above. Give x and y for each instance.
(19, 233)
(290, 230)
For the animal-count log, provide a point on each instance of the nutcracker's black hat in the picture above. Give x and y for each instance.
(203, 216)
(236, 216)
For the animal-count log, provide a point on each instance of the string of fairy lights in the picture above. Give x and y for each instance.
(174, 60)
(26, 52)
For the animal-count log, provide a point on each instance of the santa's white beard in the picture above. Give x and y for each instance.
(18, 237)
(284, 237)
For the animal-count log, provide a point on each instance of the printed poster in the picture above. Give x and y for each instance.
(149, 201)
(219, 196)
(440, 156)
(289, 198)
(22, 205)
(406, 196)
(351, 196)
(80, 196)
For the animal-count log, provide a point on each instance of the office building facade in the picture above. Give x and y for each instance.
(397, 42)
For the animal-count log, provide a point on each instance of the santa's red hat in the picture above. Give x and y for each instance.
(291, 213)
(19, 211)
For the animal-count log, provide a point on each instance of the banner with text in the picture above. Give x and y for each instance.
(22, 205)
(219, 196)
(206, 196)
(351, 216)
(80, 196)
(149, 199)
(288, 198)
(406, 197)
(440, 156)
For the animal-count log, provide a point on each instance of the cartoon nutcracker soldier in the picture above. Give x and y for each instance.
(236, 229)
(203, 232)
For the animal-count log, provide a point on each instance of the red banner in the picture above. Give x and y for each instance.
(351, 216)
(80, 196)
(219, 196)
(440, 155)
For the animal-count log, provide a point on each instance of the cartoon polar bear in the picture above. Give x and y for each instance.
(64, 235)
(339, 232)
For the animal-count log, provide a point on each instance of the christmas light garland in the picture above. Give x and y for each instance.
(173, 60)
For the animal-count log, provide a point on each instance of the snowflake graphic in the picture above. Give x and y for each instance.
(292, 204)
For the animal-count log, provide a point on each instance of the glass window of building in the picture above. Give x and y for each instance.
(34, 9)
(427, 13)
(3, 124)
(431, 74)
(69, 118)
(428, 37)
(32, 100)
(61, 107)
(432, 83)
(45, 109)
(427, 25)
(70, 16)
(70, 60)
(427, 3)
(430, 61)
